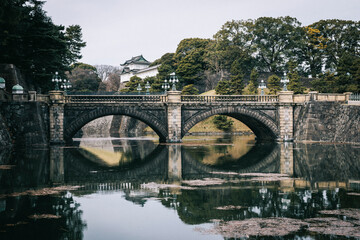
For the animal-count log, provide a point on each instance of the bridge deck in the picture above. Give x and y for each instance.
(164, 98)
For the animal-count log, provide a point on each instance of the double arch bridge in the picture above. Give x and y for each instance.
(171, 116)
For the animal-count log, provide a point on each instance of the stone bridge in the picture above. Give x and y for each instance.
(171, 116)
(281, 117)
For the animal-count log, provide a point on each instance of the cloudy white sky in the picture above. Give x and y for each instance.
(116, 30)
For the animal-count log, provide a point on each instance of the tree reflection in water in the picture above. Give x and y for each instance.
(293, 181)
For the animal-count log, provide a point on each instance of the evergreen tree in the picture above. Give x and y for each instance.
(132, 85)
(236, 79)
(294, 79)
(223, 123)
(190, 90)
(325, 83)
(223, 87)
(253, 84)
(31, 41)
(273, 84)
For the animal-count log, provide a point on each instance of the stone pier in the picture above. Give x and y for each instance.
(174, 116)
(57, 117)
(285, 111)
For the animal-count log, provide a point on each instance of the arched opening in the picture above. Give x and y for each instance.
(263, 126)
(74, 123)
(245, 139)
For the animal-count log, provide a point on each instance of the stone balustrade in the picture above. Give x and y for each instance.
(297, 98)
(114, 98)
(228, 98)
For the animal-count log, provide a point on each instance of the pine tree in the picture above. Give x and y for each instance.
(253, 84)
(190, 90)
(236, 79)
(294, 79)
(273, 84)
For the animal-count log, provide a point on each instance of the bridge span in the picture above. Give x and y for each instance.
(271, 117)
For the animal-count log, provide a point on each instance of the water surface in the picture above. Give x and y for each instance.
(210, 187)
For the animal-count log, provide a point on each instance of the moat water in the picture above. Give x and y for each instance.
(209, 187)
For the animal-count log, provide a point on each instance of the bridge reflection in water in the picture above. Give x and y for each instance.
(175, 162)
(252, 183)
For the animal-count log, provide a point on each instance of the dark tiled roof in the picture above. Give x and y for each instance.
(138, 59)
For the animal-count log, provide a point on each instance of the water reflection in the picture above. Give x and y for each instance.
(212, 183)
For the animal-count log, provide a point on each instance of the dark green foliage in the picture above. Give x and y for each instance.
(236, 79)
(347, 78)
(294, 79)
(30, 40)
(223, 123)
(83, 78)
(223, 87)
(253, 84)
(190, 60)
(132, 85)
(273, 84)
(190, 90)
(324, 83)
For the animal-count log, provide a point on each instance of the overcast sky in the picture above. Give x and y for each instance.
(116, 30)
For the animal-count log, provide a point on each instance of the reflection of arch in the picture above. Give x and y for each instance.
(252, 162)
(151, 120)
(262, 125)
(79, 169)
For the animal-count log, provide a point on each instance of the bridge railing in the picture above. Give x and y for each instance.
(229, 98)
(115, 98)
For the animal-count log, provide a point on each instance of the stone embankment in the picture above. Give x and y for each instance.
(5, 138)
(113, 126)
(327, 122)
(27, 123)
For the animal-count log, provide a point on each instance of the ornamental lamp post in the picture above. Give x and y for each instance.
(165, 86)
(66, 85)
(147, 86)
(284, 80)
(262, 85)
(56, 79)
(173, 79)
(139, 88)
(2, 83)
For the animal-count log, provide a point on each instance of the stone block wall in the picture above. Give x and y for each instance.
(5, 139)
(327, 122)
(26, 122)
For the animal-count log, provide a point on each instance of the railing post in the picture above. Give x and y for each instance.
(286, 119)
(313, 95)
(174, 116)
(347, 96)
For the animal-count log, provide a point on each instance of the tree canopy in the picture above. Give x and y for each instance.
(37, 46)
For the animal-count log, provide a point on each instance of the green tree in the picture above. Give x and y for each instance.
(294, 79)
(343, 38)
(274, 40)
(73, 37)
(253, 83)
(347, 70)
(132, 85)
(190, 60)
(167, 66)
(273, 84)
(223, 87)
(83, 78)
(325, 83)
(31, 41)
(311, 50)
(232, 41)
(236, 79)
(190, 90)
(223, 123)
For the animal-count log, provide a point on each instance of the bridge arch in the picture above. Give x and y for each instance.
(151, 120)
(261, 124)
